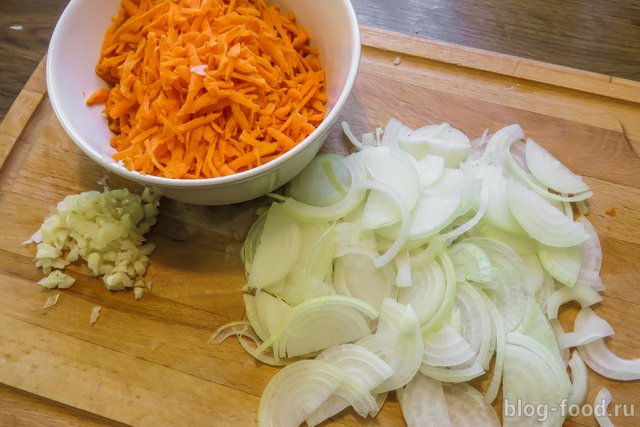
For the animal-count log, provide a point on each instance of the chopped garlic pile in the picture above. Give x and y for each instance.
(106, 229)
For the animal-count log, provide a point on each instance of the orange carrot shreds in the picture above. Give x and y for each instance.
(99, 96)
(207, 88)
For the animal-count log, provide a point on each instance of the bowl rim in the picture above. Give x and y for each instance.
(118, 169)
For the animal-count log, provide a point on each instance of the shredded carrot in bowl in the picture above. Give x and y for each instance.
(205, 88)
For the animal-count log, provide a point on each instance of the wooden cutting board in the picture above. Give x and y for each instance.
(147, 362)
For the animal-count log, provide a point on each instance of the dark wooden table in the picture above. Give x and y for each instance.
(601, 36)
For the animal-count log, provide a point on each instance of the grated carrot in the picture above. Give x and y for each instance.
(205, 88)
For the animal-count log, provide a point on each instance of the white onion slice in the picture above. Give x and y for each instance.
(599, 358)
(270, 311)
(579, 380)
(535, 325)
(397, 171)
(320, 323)
(423, 403)
(591, 258)
(521, 243)
(364, 369)
(355, 275)
(403, 269)
(562, 263)
(477, 328)
(534, 277)
(296, 391)
(471, 263)
(586, 297)
(541, 220)
(452, 375)
(392, 132)
(400, 345)
(444, 309)
(440, 140)
(551, 172)
(499, 140)
(278, 251)
(403, 233)
(445, 347)
(492, 390)
(238, 328)
(467, 407)
(355, 196)
(601, 407)
(430, 169)
(324, 182)
(532, 184)
(427, 291)
(498, 212)
(508, 295)
(588, 327)
(532, 376)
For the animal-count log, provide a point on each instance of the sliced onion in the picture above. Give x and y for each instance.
(403, 233)
(521, 243)
(477, 328)
(355, 196)
(508, 294)
(252, 315)
(440, 140)
(296, 391)
(445, 347)
(346, 129)
(591, 258)
(430, 169)
(586, 297)
(397, 171)
(321, 323)
(356, 275)
(471, 263)
(532, 376)
(534, 277)
(548, 287)
(270, 311)
(588, 327)
(535, 325)
(532, 184)
(427, 291)
(599, 358)
(541, 220)
(467, 407)
(444, 309)
(500, 140)
(399, 345)
(601, 407)
(365, 371)
(324, 182)
(392, 132)
(278, 251)
(452, 375)
(423, 403)
(492, 390)
(403, 269)
(579, 379)
(550, 172)
(238, 328)
(562, 263)
(498, 212)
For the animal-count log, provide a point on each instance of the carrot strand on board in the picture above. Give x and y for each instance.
(205, 88)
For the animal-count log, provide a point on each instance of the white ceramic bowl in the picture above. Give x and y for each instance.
(71, 77)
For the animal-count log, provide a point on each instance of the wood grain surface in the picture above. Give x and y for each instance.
(147, 362)
(602, 36)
